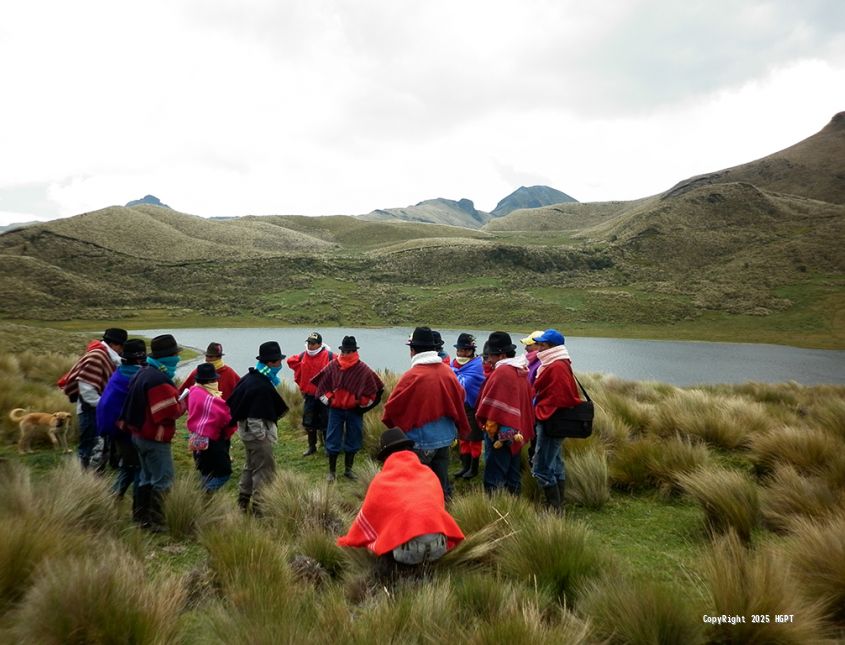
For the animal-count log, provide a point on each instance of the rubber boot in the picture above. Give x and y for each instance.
(141, 505)
(466, 458)
(332, 468)
(552, 498)
(312, 442)
(243, 501)
(157, 523)
(348, 460)
(473, 468)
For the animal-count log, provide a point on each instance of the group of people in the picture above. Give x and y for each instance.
(493, 403)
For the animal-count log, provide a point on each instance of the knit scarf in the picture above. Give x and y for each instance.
(314, 352)
(463, 360)
(129, 370)
(212, 389)
(547, 356)
(218, 364)
(425, 358)
(166, 364)
(517, 361)
(271, 373)
(348, 360)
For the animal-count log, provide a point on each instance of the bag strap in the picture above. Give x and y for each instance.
(581, 386)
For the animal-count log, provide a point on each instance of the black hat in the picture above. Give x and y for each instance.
(205, 373)
(423, 339)
(269, 352)
(465, 341)
(115, 335)
(314, 337)
(133, 349)
(214, 349)
(349, 344)
(391, 441)
(500, 343)
(164, 345)
(486, 351)
(438, 339)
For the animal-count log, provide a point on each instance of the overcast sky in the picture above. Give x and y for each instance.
(236, 107)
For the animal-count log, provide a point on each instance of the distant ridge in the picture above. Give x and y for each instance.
(530, 197)
(147, 200)
(434, 211)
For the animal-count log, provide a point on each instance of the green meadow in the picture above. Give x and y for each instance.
(686, 503)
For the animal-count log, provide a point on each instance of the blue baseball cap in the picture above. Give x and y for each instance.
(550, 336)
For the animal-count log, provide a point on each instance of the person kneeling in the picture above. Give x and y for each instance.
(403, 519)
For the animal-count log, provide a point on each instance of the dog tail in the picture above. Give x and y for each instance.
(17, 414)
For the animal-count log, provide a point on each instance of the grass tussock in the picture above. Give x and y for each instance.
(789, 496)
(587, 479)
(112, 601)
(294, 506)
(17, 494)
(828, 413)
(729, 499)
(634, 414)
(629, 464)
(557, 555)
(322, 549)
(475, 511)
(745, 583)
(187, 508)
(77, 499)
(810, 451)
(817, 556)
(622, 610)
(673, 457)
(719, 420)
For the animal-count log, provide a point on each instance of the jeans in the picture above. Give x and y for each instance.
(438, 461)
(501, 468)
(87, 419)
(548, 459)
(156, 460)
(337, 440)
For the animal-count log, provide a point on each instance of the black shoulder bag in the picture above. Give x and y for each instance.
(575, 422)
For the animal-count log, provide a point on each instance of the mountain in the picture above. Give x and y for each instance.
(14, 225)
(434, 211)
(149, 200)
(530, 197)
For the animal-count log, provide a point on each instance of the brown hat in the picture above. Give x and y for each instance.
(214, 349)
(391, 441)
(164, 345)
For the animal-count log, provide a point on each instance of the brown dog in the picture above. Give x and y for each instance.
(55, 426)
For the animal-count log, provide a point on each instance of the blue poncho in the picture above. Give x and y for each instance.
(471, 378)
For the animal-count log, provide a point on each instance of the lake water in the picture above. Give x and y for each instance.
(678, 363)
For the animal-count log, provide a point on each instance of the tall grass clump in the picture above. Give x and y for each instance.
(475, 511)
(103, 598)
(527, 623)
(558, 555)
(745, 583)
(729, 499)
(628, 465)
(622, 610)
(675, 456)
(817, 555)
(293, 505)
(77, 499)
(716, 419)
(810, 451)
(587, 479)
(187, 507)
(828, 413)
(789, 496)
(636, 415)
(17, 495)
(322, 548)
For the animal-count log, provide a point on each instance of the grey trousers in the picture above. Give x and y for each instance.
(260, 467)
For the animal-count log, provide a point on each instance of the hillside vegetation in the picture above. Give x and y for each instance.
(748, 253)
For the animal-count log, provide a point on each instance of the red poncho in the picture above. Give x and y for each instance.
(404, 501)
(506, 399)
(306, 367)
(228, 379)
(425, 393)
(555, 388)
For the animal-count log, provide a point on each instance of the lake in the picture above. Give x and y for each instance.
(678, 363)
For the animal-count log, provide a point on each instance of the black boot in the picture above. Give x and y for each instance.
(466, 458)
(141, 505)
(332, 468)
(348, 460)
(312, 442)
(157, 523)
(473, 468)
(243, 501)
(552, 498)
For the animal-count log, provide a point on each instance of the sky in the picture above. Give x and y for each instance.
(318, 107)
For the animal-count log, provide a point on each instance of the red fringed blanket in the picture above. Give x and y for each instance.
(404, 501)
(506, 399)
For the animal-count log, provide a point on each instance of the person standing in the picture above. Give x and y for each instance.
(84, 384)
(227, 377)
(427, 404)
(470, 372)
(438, 344)
(349, 388)
(504, 409)
(133, 358)
(306, 365)
(555, 388)
(533, 364)
(150, 411)
(211, 428)
(256, 406)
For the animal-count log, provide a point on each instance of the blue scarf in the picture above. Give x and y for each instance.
(166, 364)
(128, 370)
(270, 372)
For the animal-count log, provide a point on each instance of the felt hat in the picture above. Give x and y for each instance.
(214, 349)
(349, 344)
(551, 336)
(438, 339)
(164, 345)
(391, 441)
(269, 352)
(314, 337)
(115, 335)
(465, 341)
(423, 339)
(499, 342)
(531, 338)
(206, 373)
(134, 348)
